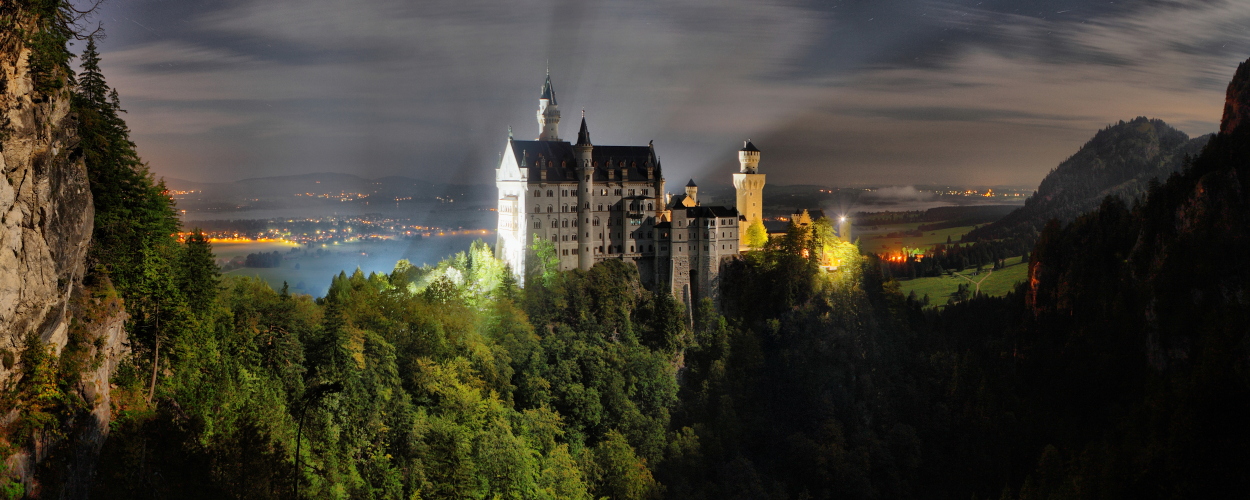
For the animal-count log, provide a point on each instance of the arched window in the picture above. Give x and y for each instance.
(600, 208)
(596, 222)
(650, 206)
(538, 194)
(564, 223)
(555, 223)
(550, 193)
(550, 209)
(538, 224)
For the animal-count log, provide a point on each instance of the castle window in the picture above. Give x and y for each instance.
(631, 192)
(538, 194)
(550, 209)
(555, 223)
(631, 249)
(554, 239)
(538, 225)
(566, 252)
(564, 223)
(564, 192)
(565, 237)
(603, 192)
(600, 208)
(537, 209)
(564, 208)
(596, 222)
(587, 207)
(549, 193)
(650, 207)
(618, 192)
(573, 237)
(645, 193)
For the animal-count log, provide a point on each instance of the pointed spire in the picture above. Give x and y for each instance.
(583, 135)
(509, 132)
(691, 183)
(548, 93)
(747, 146)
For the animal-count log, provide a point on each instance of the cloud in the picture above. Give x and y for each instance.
(843, 93)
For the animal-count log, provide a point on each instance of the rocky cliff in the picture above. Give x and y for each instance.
(46, 219)
(45, 205)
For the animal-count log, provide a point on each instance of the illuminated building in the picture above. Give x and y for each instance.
(595, 202)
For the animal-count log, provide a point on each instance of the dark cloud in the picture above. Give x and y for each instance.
(836, 92)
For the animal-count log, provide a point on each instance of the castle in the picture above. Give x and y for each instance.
(595, 203)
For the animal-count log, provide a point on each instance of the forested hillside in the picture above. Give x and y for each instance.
(1121, 160)
(1118, 370)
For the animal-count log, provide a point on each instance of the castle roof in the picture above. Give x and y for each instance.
(746, 146)
(559, 160)
(709, 211)
(583, 135)
(691, 184)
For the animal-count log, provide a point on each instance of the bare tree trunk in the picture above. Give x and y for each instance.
(156, 356)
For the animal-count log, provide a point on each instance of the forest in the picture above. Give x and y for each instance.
(1120, 369)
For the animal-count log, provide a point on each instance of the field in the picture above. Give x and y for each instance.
(993, 283)
(876, 239)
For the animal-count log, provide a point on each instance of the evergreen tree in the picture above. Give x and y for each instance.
(132, 210)
(198, 276)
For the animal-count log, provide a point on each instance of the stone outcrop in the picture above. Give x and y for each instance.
(1237, 100)
(45, 205)
(46, 217)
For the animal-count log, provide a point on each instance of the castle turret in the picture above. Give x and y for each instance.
(749, 184)
(548, 113)
(585, 184)
(748, 158)
(692, 192)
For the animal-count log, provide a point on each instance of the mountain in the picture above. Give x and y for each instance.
(1121, 160)
(1132, 341)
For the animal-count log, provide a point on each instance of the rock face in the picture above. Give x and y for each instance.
(45, 206)
(46, 217)
(1237, 100)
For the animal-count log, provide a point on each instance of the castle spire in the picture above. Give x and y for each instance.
(583, 135)
(548, 112)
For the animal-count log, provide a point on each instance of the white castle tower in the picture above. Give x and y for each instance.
(548, 113)
(750, 186)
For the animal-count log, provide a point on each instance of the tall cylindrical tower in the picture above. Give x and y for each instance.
(749, 184)
(585, 184)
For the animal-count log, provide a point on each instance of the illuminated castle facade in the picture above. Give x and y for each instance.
(595, 203)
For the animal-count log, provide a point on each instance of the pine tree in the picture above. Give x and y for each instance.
(198, 274)
(132, 210)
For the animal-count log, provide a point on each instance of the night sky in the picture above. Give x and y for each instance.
(846, 93)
